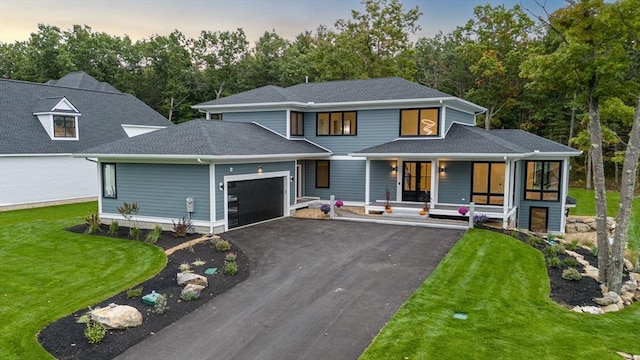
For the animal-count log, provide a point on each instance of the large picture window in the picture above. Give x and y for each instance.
(542, 180)
(64, 126)
(322, 173)
(488, 183)
(336, 123)
(109, 181)
(419, 122)
(297, 123)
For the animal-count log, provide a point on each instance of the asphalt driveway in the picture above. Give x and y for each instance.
(317, 290)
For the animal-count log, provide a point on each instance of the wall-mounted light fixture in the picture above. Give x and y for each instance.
(442, 170)
(259, 169)
(291, 178)
(394, 169)
(221, 186)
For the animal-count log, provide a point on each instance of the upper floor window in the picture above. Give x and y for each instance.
(215, 116)
(542, 180)
(64, 126)
(297, 123)
(336, 123)
(419, 122)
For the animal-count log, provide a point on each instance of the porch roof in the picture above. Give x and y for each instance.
(470, 142)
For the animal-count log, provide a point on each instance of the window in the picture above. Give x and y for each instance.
(64, 126)
(488, 183)
(336, 123)
(215, 117)
(297, 123)
(109, 181)
(419, 122)
(542, 181)
(322, 173)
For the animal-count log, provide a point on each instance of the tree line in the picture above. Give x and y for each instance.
(571, 75)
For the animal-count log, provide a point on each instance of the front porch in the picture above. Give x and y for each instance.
(403, 209)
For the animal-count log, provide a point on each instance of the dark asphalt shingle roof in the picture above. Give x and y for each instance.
(391, 88)
(82, 80)
(101, 116)
(463, 139)
(208, 138)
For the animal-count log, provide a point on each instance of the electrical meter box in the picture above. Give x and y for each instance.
(190, 205)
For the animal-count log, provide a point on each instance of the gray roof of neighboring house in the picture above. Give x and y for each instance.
(82, 80)
(391, 88)
(464, 139)
(208, 138)
(101, 115)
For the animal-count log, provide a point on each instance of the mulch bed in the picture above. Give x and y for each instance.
(65, 339)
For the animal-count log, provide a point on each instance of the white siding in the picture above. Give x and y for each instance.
(35, 179)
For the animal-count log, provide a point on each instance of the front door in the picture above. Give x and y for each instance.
(416, 181)
(539, 219)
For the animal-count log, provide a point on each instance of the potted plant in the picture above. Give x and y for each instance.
(387, 196)
(425, 208)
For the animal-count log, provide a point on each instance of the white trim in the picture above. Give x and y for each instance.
(345, 157)
(441, 129)
(288, 124)
(101, 185)
(435, 180)
(213, 190)
(203, 157)
(63, 113)
(40, 155)
(399, 180)
(367, 181)
(462, 156)
(564, 194)
(285, 175)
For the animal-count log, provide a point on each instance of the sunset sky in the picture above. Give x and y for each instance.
(143, 18)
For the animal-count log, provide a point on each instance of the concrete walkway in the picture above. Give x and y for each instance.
(317, 290)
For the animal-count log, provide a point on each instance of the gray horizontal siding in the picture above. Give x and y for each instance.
(453, 115)
(250, 168)
(455, 184)
(381, 178)
(161, 189)
(524, 210)
(274, 120)
(374, 127)
(346, 180)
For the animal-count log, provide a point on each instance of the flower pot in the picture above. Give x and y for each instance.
(422, 212)
(388, 210)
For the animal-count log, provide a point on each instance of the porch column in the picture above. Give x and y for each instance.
(507, 192)
(563, 194)
(367, 182)
(213, 189)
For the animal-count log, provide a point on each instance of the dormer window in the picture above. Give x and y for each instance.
(58, 117)
(64, 126)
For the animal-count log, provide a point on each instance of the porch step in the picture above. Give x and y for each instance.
(406, 213)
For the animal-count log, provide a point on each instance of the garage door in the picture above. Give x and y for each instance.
(251, 201)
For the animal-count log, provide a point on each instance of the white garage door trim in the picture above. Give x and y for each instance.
(285, 175)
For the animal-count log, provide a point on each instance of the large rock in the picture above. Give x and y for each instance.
(596, 310)
(191, 278)
(630, 285)
(628, 265)
(611, 308)
(117, 316)
(194, 288)
(608, 299)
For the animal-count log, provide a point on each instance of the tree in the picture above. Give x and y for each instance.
(496, 41)
(596, 57)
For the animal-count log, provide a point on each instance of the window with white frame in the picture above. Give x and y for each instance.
(109, 189)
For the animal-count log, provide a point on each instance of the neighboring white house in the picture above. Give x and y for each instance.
(43, 124)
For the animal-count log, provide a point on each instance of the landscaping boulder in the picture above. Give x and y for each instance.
(630, 285)
(608, 299)
(191, 278)
(192, 287)
(611, 308)
(117, 316)
(628, 265)
(592, 310)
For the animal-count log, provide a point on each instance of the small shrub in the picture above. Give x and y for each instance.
(571, 274)
(554, 261)
(94, 332)
(191, 249)
(134, 293)
(198, 262)
(161, 306)
(571, 261)
(534, 240)
(128, 210)
(587, 242)
(182, 227)
(113, 228)
(325, 208)
(185, 267)
(153, 235)
(595, 251)
(553, 250)
(135, 233)
(480, 218)
(633, 256)
(223, 245)
(230, 268)
(551, 237)
(573, 245)
(231, 257)
(93, 223)
(189, 295)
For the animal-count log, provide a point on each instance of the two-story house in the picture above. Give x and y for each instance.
(260, 154)
(43, 124)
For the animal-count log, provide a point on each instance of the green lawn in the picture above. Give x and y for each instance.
(47, 273)
(503, 286)
(587, 206)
